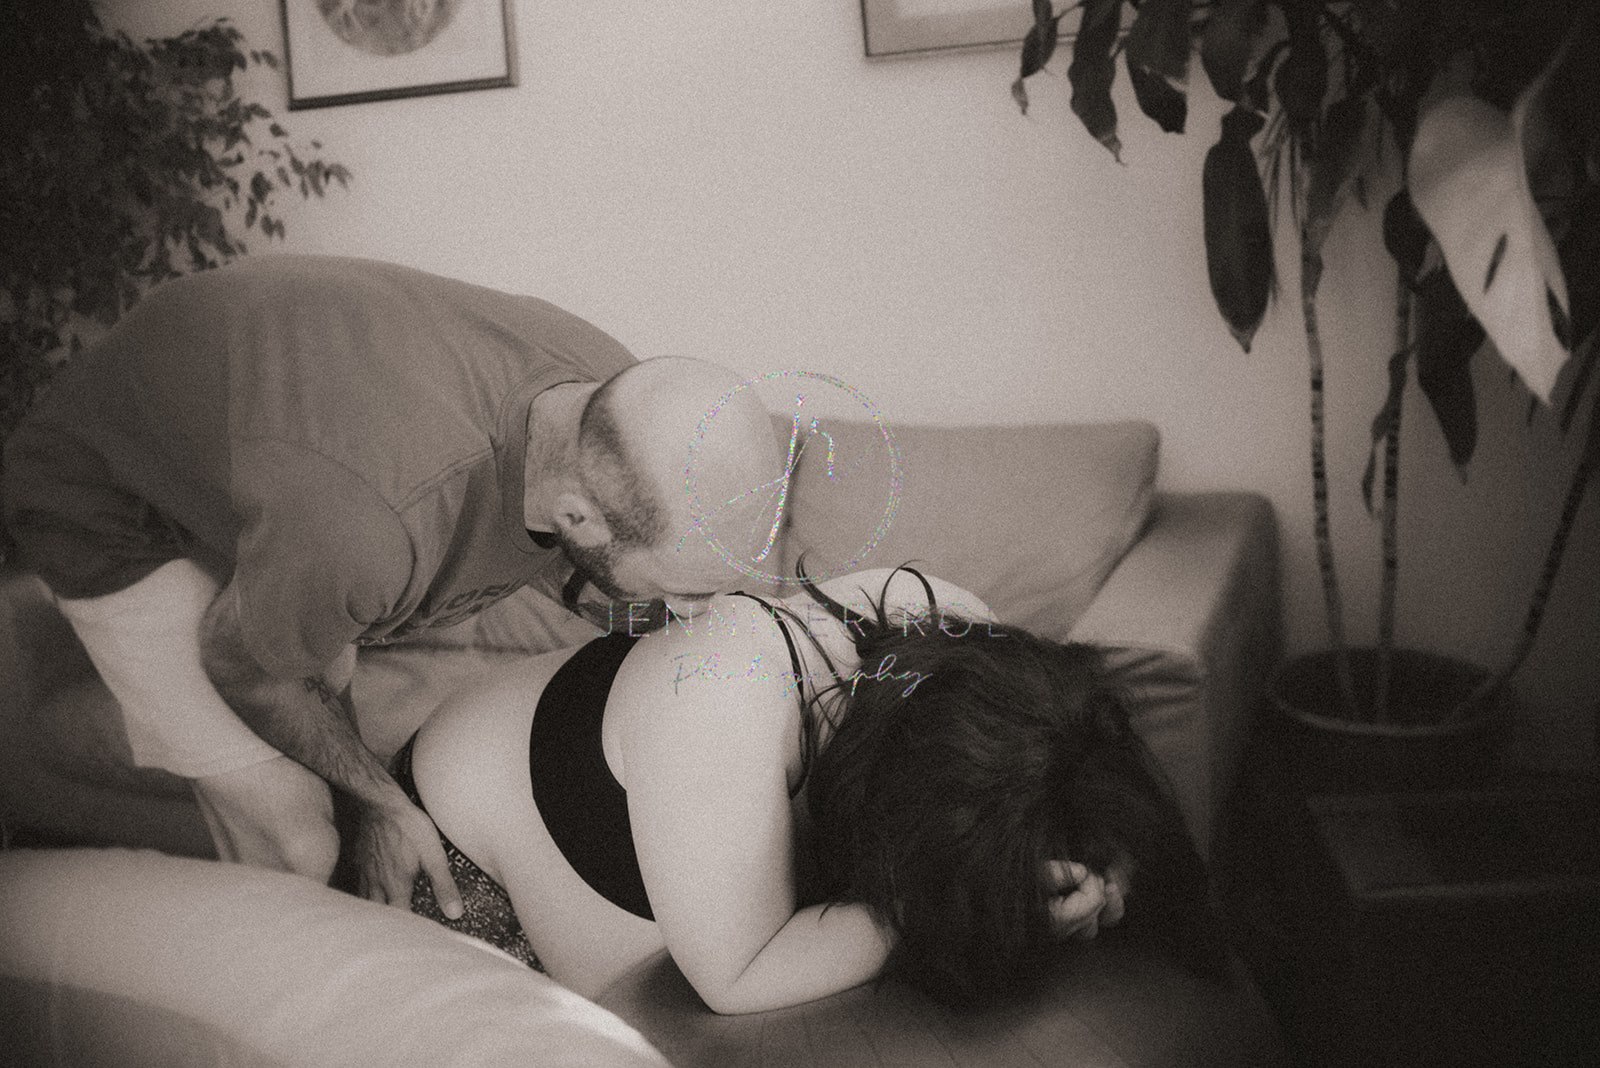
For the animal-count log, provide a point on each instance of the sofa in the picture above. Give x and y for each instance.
(1058, 527)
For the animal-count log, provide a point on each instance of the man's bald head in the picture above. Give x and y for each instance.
(666, 441)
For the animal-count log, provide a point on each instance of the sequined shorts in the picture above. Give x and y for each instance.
(486, 907)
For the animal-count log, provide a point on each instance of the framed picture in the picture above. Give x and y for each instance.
(352, 51)
(907, 27)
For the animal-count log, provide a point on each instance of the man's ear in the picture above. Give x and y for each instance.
(580, 521)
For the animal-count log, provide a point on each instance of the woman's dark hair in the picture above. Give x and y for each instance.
(958, 760)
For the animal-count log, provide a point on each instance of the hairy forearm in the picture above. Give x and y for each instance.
(821, 950)
(307, 718)
(311, 721)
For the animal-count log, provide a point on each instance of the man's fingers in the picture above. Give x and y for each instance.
(381, 853)
(437, 867)
(398, 877)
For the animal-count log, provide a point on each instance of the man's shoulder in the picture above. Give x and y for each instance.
(431, 307)
(548, 336)
(262, 273)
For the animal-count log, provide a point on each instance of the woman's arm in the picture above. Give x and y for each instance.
(710, 727)
(821, 950)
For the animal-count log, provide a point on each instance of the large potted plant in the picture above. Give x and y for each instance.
(124, 164)
(1488, 111)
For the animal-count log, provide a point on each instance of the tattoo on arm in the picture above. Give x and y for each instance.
(336, 702)
(318, 685)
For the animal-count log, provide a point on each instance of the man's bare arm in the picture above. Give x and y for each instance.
(310, 721)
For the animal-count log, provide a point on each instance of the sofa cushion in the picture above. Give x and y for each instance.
(1031, 518)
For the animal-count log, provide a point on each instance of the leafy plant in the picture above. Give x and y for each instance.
(1488, 110)
(124, 165)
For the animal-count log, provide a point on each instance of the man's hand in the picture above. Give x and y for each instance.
(393, 841)
(311, 720)
(1082, 901)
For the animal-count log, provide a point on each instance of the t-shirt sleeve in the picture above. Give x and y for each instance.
(321, 556)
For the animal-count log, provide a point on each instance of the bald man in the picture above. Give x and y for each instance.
(265, 466)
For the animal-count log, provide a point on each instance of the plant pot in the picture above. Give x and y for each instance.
(1321, 751)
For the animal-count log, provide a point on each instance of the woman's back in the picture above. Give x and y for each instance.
(696, 732)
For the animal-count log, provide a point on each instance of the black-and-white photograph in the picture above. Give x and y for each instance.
(848, 533)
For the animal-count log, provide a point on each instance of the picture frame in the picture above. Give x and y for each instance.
(356, 51)
(892, 28)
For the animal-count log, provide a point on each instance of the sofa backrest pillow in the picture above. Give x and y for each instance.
(1031, 518)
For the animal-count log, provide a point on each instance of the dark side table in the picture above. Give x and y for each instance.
(1452, 928)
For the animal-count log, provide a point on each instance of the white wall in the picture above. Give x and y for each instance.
(735, 181)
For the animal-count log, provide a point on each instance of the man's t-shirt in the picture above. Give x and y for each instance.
(348, 435)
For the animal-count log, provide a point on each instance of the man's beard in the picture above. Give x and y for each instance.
(596, 566)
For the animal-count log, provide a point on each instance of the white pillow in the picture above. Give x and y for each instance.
(131, 958)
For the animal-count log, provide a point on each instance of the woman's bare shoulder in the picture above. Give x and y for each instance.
(733, 632)
(725, 669)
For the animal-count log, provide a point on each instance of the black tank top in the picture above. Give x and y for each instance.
(583, 806)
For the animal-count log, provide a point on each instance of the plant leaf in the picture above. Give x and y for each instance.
(1447, 339)
(1158, 40)
(1587, 354)
(1037, 48)
(1238, 231)
(1092, 71)
(1301, 80)
(1158, 99)
(1346, 150)
(1561, 146)
(1405, 235)
(1579, 252)
(1231, 38)
(1158, 61)
(1469, 183)
(1257, 92)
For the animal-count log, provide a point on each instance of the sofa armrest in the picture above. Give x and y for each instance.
(139, 960)
(1189, 622)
